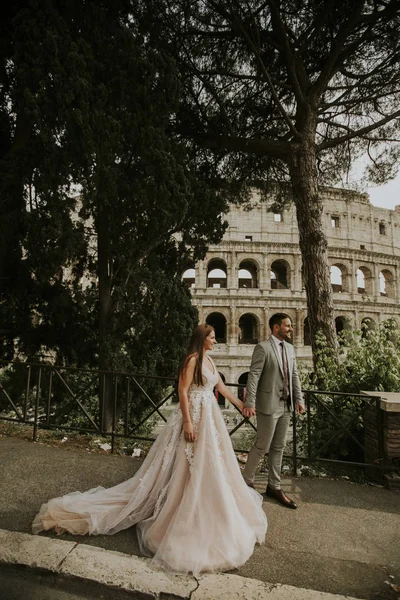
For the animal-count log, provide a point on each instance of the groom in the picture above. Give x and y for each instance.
(273, 390)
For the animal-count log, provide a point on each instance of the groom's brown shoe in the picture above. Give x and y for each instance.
(281, 497)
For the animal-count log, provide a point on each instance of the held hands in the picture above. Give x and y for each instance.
(188, 431)
(249, 411)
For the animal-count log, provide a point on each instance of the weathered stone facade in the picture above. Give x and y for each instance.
(256, 271)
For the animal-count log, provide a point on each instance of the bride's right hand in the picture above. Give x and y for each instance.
(188, 431)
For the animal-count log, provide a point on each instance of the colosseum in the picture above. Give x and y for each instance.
(256, 271)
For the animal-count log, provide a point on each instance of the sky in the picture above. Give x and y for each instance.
(386, 196)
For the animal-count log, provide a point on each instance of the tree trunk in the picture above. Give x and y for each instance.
(104, 262)
(313, 242)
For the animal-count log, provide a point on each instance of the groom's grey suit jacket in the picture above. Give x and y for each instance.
(265, 382)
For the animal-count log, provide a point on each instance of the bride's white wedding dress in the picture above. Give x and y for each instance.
(191, 506)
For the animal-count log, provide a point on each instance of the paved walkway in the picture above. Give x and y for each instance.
(343, 539)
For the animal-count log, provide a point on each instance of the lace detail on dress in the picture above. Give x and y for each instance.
(196, 396)
(200, 396)
(189, 451)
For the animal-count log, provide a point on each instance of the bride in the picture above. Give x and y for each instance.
(192, 509)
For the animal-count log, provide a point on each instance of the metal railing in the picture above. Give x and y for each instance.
(51, 397)
(330, 408)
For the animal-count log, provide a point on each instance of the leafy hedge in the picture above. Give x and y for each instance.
(369, 361)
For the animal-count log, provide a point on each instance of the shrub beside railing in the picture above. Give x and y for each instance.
(50, 397)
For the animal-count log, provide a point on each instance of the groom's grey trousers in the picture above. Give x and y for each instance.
(271, 437)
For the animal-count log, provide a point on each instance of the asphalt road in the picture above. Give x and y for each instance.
(18, 583)
(342, 539)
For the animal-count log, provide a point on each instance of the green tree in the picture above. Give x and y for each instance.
(288, 94)
(100, 274)
(369, 360)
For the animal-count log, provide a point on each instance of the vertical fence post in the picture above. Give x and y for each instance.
(114, 414)
(28, 385)
(36, 422)
(379, 427)
(128, 390)
(308, 407)
(294, 442)
(48, 407)
(102, 401)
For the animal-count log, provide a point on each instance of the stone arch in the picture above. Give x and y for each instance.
(218, 321)
(189, 277)
(280, 275)
(249, 329)
(386, 283)
(342, 323)
(364, 281)
(242, 380)
(217, 273)
(248, 274)
(339, 275)
(367, 324)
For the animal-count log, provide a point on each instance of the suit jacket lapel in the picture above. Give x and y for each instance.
(275, 349)
(289, 357)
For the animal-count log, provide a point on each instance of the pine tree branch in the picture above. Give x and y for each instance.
(214, 93)
(263, 147)
(293, 65)
(337, 57)
(331, 64)
(358, 133)
(243, 77)
(256, 52)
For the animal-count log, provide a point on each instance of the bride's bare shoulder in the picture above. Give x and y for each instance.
(191, 359)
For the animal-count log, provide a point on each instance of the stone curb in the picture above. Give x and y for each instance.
(135, 575)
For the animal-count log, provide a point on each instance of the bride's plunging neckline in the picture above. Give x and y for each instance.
(212, 370)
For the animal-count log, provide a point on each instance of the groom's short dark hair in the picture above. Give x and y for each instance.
(277, 319)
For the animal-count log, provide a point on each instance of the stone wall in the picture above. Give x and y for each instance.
(364, 248)
(391, 439)
(384, 423)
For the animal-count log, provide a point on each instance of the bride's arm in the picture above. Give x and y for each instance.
(185, 379)
(225, 391)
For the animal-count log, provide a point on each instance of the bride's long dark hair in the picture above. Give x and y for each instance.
(196, 348)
